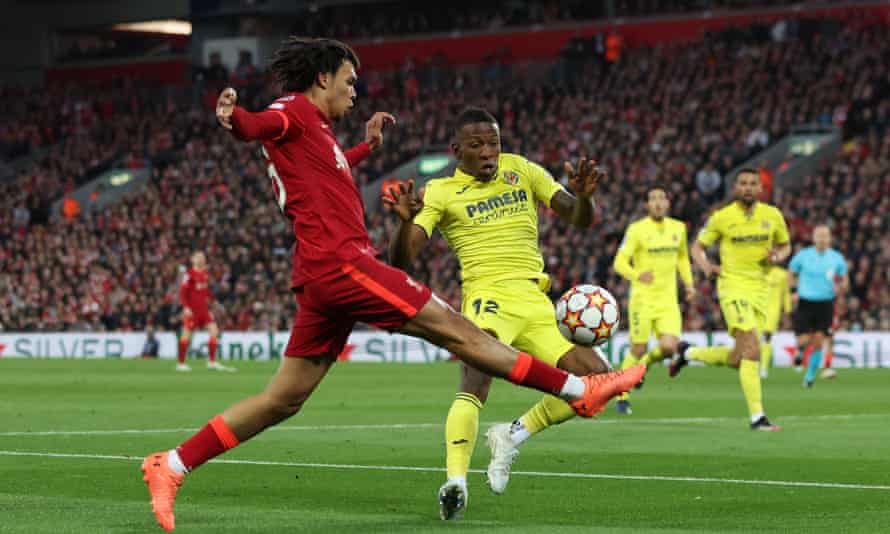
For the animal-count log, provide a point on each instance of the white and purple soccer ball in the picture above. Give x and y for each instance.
(587, 315)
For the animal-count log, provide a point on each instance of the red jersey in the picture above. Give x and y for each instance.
(312, 181)
(194, 291)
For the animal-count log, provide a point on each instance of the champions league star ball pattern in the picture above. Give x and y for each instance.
(587, 315)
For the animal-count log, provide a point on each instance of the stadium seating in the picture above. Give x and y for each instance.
(657, 115)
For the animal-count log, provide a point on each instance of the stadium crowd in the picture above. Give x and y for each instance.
(659, 115)
(403, 17)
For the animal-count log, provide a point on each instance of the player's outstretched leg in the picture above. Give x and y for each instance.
(504, 439)
(292, 384)
(588, 395)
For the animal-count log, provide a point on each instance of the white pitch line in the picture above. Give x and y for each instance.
(412, 426)
(548, 474)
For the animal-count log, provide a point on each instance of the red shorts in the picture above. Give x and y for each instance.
(364, 290)
(198, 320)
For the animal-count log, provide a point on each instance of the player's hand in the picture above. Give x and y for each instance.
(374, 128)
(646, 277)
(225, 105)
(584, 180)
(186, 312)
(711, 270)
(690, 293)
(772, 256)
(403, 200)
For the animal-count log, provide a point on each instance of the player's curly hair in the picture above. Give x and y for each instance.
(299, 61)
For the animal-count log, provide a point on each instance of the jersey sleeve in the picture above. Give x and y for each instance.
(433, 208)
(796, 262)
(841, 265)
(781, 233)
(625, 252)
(710, 233)
(683, 265)
(542, 183)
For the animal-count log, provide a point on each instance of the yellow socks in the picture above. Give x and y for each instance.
(461, 428)
(749, 376)
(629, 361)
(654, 355)
(766, 354)
(710, 355)
(547, 412)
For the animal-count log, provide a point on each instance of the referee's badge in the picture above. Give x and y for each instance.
(511, 178)
(764, 225)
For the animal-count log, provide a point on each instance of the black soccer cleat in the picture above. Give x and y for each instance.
(764, 425)
(679, 361)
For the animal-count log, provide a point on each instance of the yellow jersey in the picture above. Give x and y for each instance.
(657, 246)
(492, 226)
(745, 241)
(779, 292)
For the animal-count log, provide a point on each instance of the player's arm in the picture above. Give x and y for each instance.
(622, 263)
(706, 237)
(843, 283)
(576, 208)
(684, 268)
(410, 237)
(373, 138)
(267, 125)
(782, 249)
(185, 294)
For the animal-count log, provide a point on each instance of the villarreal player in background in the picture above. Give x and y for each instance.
(652, 253)
(778, 306)
(488, 213)
(753, 237)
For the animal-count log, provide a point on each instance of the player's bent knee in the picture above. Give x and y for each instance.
(474, 382)
(583, 361)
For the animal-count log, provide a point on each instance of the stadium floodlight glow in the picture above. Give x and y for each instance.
(431, 164)
(120, 178)
(169, 26)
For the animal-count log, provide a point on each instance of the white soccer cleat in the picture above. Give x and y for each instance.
(764, 373)
(216, 366)
(183, 367)
(503, 452)
(453, 497)
(829, 373)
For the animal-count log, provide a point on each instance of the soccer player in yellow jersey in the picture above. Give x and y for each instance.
(753, 236)
(651, 255)
(487, 211)
(778, 306)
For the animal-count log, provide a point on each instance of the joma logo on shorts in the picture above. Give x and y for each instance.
(513, 197)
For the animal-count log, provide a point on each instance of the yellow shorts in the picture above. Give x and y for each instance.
(771, 323)
(647, 318)
(741, 314)
(519, 314)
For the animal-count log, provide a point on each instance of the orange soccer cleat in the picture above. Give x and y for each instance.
(163, 483)
(602, 387)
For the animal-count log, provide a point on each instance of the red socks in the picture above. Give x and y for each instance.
(531, 372)
(211, 349)
(183, 347)
(214, 439)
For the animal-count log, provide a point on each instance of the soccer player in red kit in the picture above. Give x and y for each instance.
(194, 296)
(337, 279)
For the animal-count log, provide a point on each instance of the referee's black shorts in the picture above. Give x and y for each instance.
(813, 316)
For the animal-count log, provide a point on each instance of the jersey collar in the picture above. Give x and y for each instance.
(300, 97)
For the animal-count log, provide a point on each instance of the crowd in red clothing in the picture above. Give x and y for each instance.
(661, 114)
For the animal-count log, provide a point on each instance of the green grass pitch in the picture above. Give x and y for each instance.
(72, 434)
